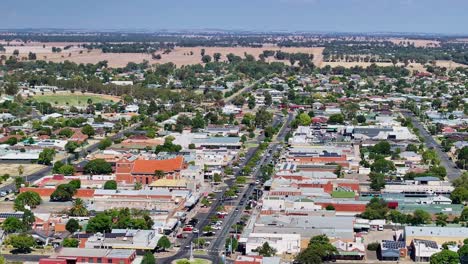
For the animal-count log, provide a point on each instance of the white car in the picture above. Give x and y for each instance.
(195, 231)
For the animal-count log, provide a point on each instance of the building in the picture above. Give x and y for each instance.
(437, 234)
(140, 240)
(392, 250)
(90, 255)
(257, 260)
(422, 250)
(144, 171)
(283, 243)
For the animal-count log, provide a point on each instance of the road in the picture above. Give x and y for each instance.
(217, 245)
(243, 90)
(89, 149)
(452, 171)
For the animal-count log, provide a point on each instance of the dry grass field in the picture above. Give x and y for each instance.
(179, 56)
(417, 42)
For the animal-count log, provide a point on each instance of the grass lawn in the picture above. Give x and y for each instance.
(342, 194)
(251, 145)
(195, 261)
(75, 99)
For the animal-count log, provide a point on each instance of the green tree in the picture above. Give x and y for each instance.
(304, 119)
(164, 243)
(148, 258)
(263, 118)
(375, 209)
(206, 58)
(22, 242)
(420, 217)
(18, 182)
(72, 225)
(217, 56)
(441, 219)
(251, 102)
(63, 193)
(266, 250)
(377, 181)
(71, 146)
(382, 166)
(110, 185)
(318, 250)
(463, 251)
(70, 242)
(217, 177)
(383, 147)
(76, 183)
(336, 119)
(268, 98)
(67, 170)
(232, 243)
(445, 257)
(46, 156)
(105, 143)
(78, 208)
(88, 130)
(97, 167)
(100, 223)
(12, 225)
(28, 198)
(459, 195)
(361, 119)
(159, 174)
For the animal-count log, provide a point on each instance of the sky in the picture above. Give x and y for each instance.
(415, 16)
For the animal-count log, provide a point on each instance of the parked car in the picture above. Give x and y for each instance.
(195, 231)
(187, 229)
(181, 235)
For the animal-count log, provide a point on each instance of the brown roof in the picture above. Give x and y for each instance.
(150, 166)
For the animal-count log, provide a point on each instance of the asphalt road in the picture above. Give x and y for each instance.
(218, 244)
(452, 171)
(48, 170)
(243, 90)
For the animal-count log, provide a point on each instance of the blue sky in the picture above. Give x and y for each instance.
(433, 16)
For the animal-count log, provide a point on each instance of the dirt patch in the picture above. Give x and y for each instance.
(12, 169)
(416, 42)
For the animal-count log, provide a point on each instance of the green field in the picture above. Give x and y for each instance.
(70, 99)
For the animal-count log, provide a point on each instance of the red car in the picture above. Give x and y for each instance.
(181, 236)
(187, 228)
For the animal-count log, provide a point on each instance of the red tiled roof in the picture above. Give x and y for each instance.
(150, 166)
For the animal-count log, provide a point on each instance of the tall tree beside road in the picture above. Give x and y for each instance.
(263, 118)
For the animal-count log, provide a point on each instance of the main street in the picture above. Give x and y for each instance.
(452, 171)
(218, 244)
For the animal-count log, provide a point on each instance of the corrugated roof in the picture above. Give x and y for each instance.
(150, 166)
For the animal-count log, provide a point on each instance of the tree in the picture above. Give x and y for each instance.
(330, 208)
(217, 56)
(138, 186)
(105, 143)
(463, 251)
(377, 181)
(217, 177)
(263, 117)
(46, 156)
(78, 208)
(375, 209)
(18, 182)
(97, 167)
(148, 258)
(459, 195)
(28, 198)
(63, 193)
(67, 170)
(445, 257)
(88, 130)
(420, 217)
(22, 243)
(72, 225)
(28, 219)
(206, 58)
(318, 250)
(397, 217)
(12, 225)
(441, 219)
(164, 243)
(232, 243)
(304, 119)
(361, 119)
(336, 119)
(266, 250)
(100, 223)
(251, 102)
(110, 185)
(71, 146)
(11, 88)
(159, 174)
(382, 166)
(383, 147)
(76, 183)
(268, 98)
(70, 242)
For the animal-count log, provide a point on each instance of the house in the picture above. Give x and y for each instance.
(143, 171)
(353, 250)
